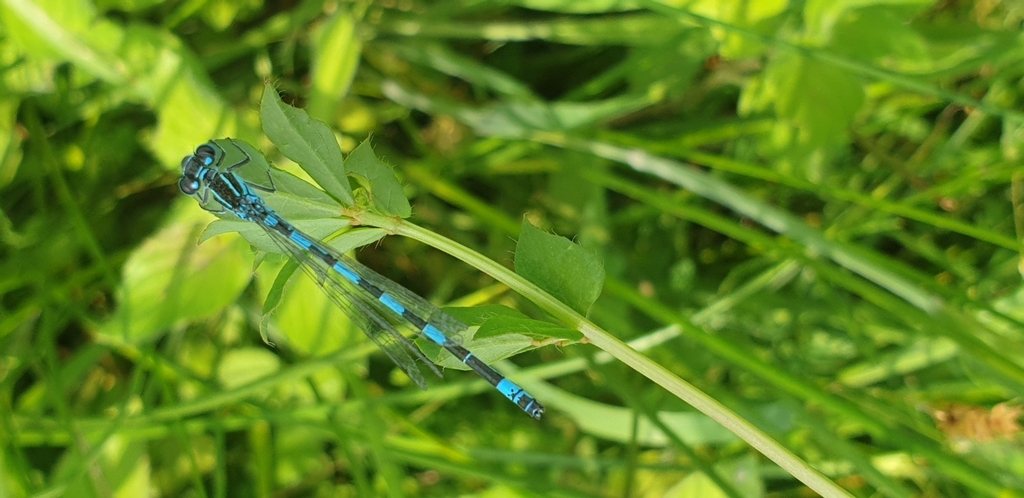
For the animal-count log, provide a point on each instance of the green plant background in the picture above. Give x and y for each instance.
(805, 213)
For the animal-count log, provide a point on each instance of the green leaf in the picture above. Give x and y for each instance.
(821, 16)
(65, 31)
(879, 32)
(819, 99)
(619, 423)
(308, 142)
(750, 17)
(669, 68)
(511, 334)
(310, 322)
(169, 279)
(257, 236)
(526, 327)
(489, 349)
(570, 272)
(386, 193)
(124, 462)
(496, 320)
(242, 366)
(743, 472)
(221, 14)
(168, 77)
(274, 296)
(296, 198)
(336, 49)
(357, 237)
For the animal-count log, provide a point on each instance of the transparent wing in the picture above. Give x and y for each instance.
(361, 308)
(422, 308)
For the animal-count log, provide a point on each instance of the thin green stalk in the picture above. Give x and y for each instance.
(620, 350)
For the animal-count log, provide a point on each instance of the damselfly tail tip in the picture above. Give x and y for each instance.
(536, 411)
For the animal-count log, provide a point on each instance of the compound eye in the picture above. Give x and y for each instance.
(205, 153)
(188, 186)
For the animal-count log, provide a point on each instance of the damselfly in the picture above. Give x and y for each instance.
(363, 294)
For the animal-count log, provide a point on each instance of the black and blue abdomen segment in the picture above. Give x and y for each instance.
(509, 389)
(506, 387)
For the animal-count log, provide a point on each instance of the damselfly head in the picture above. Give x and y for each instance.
(192, 168)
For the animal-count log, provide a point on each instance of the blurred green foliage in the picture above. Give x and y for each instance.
(803, 208)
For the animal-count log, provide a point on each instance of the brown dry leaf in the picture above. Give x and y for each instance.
(977, 423)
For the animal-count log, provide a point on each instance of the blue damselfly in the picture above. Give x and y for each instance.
(364, 295)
